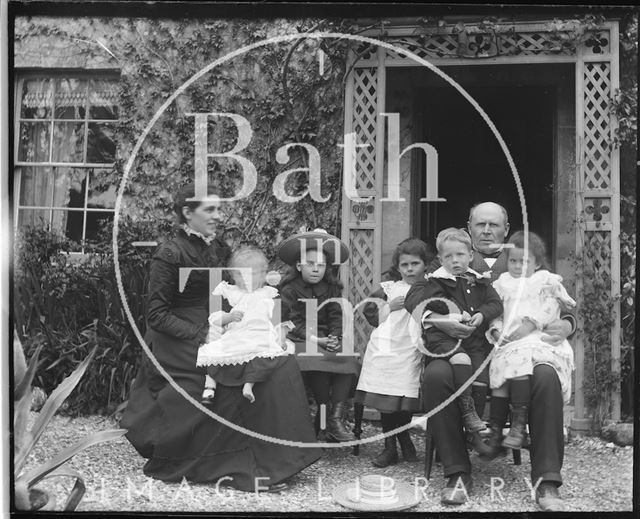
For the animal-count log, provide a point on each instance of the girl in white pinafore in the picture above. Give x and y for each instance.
(390, 376)
(245, 335)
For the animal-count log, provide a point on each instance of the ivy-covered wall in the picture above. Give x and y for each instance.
(279, 88)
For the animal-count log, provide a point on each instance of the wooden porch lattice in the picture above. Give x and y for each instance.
(597, 174)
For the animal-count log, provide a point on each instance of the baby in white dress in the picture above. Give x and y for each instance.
(246, 334)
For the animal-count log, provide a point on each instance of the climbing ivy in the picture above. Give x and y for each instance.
(279, 88)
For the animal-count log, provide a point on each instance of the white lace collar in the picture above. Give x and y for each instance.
(443, 273)
(192, 232)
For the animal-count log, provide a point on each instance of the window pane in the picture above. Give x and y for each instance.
(103, 99)
(101, 197)
(34, 142)
(101, 146)
(97, 221)
(34, 217)
(36, 185)
(70, 99)
(68, 142)
(70, 187)
(67, 120)
(37, 96)
(68, 223)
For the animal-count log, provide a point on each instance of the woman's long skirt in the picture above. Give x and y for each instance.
(181, 441)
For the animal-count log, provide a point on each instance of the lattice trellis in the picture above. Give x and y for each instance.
(364, 50)
(435, 45)
(597, 127)
(595, 56)
(532, 43)
(360, 277)
(359, 219)
(364, 126)
(598, 194)
(598, 254)
(502, 42)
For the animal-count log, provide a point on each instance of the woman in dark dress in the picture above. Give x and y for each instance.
(178, 439)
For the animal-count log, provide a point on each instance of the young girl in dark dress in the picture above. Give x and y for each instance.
(179, 440)
(330, 377)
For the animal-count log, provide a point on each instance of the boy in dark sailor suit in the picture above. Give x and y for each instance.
(457, 292)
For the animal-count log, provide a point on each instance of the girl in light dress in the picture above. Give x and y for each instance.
(532, 297)
(390, 376)
(244, 335)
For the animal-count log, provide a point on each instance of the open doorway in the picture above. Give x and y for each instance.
(472, 166)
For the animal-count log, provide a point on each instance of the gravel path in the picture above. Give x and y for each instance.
(598, 476)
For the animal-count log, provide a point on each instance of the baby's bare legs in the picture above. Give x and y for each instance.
(247, 392)
(209, 390)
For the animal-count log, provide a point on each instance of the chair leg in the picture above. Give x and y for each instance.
(517, 457)
(429, 448)
(358, 411)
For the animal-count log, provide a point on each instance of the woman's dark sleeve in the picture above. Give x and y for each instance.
(291, 311)
(371, 311)
(163, 287)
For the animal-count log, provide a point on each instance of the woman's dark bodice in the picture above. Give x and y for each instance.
(174, 309)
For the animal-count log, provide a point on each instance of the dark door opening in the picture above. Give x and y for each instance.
(472, 165)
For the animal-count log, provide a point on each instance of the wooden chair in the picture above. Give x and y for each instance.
(429, 450)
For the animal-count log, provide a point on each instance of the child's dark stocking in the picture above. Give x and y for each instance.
(520, 390)
(389, 456)
(407, 448)
(479, 394)
(340, 387)
(320, 384)
(462, 373)
(498, 412)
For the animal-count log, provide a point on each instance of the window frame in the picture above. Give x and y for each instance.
(18, 166)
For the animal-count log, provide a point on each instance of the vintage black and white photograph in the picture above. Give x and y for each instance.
(291, 257)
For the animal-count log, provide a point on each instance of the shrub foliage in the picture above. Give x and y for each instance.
(71, 306)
